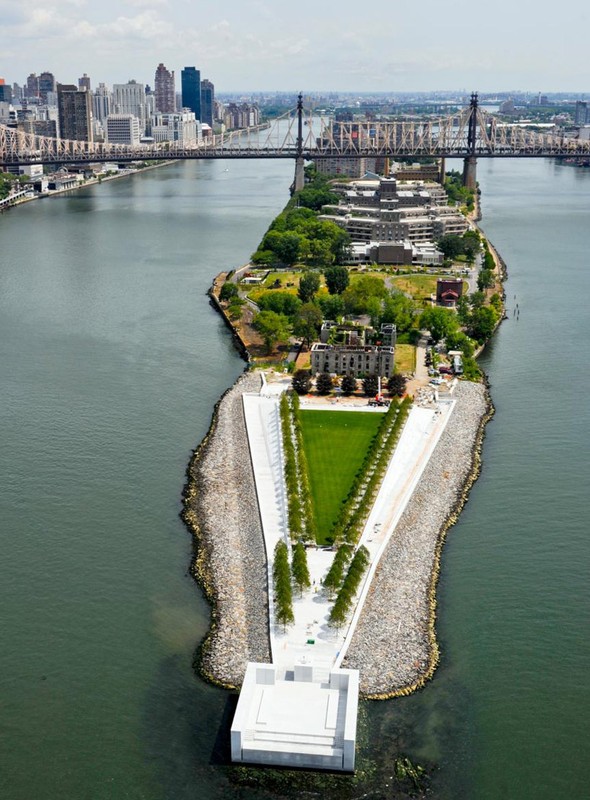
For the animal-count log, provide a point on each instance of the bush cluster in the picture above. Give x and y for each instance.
(299, 502)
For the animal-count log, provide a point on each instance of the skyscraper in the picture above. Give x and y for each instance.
(46, 85)
(207, 101)
(164, 90)
(73, 108)
(191, 90)
(129, 98)
(581, 115)
(84, 82)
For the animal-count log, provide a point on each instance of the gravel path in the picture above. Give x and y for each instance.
(221, 509)
(394, 645)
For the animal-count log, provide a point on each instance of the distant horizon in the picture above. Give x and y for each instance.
(406, 49)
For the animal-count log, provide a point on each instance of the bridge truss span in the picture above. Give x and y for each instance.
(299, 134)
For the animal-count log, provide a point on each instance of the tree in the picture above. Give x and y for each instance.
(460, 341)
(356, 297)
(348, 384)
(477, 299)
(279, 301)
(483, 322)
(337, 279)
(451, 245)
(307, 322)
(396, 385)
(399, 309)
(371, 385)
(308, 286)
(332, 306)
(439, 321)
(228, 291)
(272, 327)
(285, 245)
(316, 198)
(323, 383)
(485, 279)
(301, 382)
(300, 568)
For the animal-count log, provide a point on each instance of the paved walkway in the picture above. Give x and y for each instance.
(310, 639)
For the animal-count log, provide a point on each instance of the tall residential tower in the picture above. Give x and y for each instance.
(191, 90)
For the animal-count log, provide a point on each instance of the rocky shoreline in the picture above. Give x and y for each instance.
(394, 645)
(221, 511)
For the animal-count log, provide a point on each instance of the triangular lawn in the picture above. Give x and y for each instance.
(335, 443)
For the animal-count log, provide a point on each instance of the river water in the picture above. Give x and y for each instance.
(112, 361)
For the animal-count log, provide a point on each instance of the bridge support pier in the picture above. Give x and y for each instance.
(470, 172)
(442, 171)
(299, 174)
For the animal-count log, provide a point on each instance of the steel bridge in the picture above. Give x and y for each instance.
(300, 134)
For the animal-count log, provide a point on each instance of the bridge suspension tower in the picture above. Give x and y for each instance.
(470, 162)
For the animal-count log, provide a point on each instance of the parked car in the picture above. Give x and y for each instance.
(436, 381)
(444, 370)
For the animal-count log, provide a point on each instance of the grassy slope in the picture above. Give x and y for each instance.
(335, 444)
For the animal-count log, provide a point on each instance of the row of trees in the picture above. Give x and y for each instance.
(363, 491)
(283, 593)
(301, 383)
(284, 575)
(349, 588)
(299, 500)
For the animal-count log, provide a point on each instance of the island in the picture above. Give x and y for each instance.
(319, 501)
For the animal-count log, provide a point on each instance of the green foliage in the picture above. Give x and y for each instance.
(458, 340)
(357, 504)
(323, 383)
(287, 246)
(308, 286)
(451, 245)
(457, 192)
(228, 291)
(399, 309)
(282, 585)
(349, 587)
(307, 322)
(300, 568)
(315, 198)
(396, 385)
(348, 384)
(332, 306)
(482, 323)
(333, 579)
(301, 382)
(439, 321)
(371, 385)
(485, 279)
(337, 279)
(280, 302)
(357, 296)
(272, 327)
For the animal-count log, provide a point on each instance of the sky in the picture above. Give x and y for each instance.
(308, 45)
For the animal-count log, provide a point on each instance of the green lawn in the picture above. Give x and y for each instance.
(335, 444)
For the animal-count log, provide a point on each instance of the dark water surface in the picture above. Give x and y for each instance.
(111, 363)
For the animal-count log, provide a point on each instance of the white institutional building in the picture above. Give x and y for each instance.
(122, 129)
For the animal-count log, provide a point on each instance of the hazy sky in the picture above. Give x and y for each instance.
(304, 44)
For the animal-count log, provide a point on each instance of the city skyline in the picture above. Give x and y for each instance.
(266, 46)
